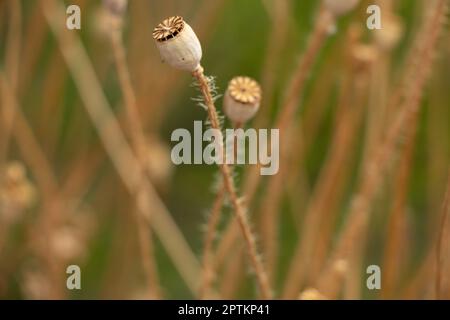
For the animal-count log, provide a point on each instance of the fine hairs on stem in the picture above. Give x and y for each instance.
(283, 122)
(208, 275)
(116, 10)
(181, 49)
(239, 211)
(242, 101)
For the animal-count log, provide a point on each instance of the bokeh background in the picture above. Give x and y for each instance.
(53, 160)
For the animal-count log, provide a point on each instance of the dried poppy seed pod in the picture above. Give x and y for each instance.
(242, 99)
(178, 44)
(116, 7)
(340, 7)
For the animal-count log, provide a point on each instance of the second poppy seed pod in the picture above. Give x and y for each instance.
(178, 44)
(242, 99)
(340, 7)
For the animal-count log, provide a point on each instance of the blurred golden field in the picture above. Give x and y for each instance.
(86, 176)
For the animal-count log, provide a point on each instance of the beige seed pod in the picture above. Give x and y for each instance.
(116, 7)
(340, 7)
(35, 284)
(363, 56)
(15, 172)
(17, 193)
(311, 294)
(67, 243)
(390, 33)
(242, 99)
(178, 44)
(115, 10)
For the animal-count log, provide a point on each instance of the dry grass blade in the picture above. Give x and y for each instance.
(359, 214)
(208, 265)
(139, 145)
(321, 213)
(289, 107)
(443, 251)
(118, 149)
(392, 262)
(12, 70)
(284, 122)
(47, 181)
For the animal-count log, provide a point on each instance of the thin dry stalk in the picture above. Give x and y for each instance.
(229, 284)
(443, 250)
(321, 212)
(81, 173)
(236, 203)
(209, 273)
(364, 62)
(274, 190)
(35, 33)
(48, 184)
(52, 98)
(395, 240)
(12, 60)
(298, 185)
(14, 45)
(290, 105)
(353, 284)
(139, 145)
(208, 264)
(358, 217)
(378, 112)
(420, 287)
(118, 149)
(278, 10)
(279, 13)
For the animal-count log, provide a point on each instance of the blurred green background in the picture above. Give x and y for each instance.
(235, 36)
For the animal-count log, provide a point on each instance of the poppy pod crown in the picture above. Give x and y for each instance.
(242, 99)
(178, 44)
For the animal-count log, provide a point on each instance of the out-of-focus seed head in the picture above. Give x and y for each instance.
(159, 163)
(178, 44)
(242, 99)
(364, 56)
(311, 294)
(390, 33)
(67, 243)
(116, 7)
(35, 284)
(340, 7)
(17, 193)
